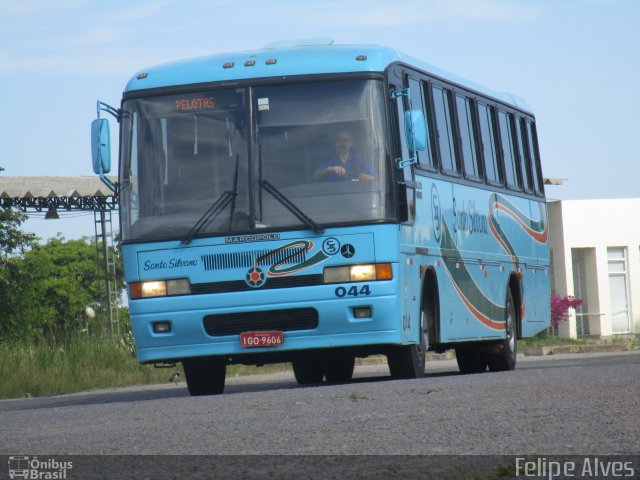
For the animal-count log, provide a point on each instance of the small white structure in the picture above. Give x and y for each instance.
(595, 255)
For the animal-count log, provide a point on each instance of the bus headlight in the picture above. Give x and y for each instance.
(159, 288)
(358, 273)
(362, 273)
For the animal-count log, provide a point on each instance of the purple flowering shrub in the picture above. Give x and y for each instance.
(560, 308)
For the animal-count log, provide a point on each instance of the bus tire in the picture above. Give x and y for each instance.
(308, 371)
(408, 361)
(339, 369)
(506, 359)
(204, 376)
(470, 361)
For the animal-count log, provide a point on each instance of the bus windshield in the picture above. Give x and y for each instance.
(223, 161)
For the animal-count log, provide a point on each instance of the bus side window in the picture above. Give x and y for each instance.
(489, 152)
(525, 166)
(444, 130)
(407, 192)
(417, 98)
(507, 143)
(534, 156)
(467, 138)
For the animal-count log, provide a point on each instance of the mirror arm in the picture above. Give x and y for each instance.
(104, 107)
(399, 92)
(400, 163)
(113, 186)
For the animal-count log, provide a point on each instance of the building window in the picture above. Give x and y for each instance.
(618, 289)
(583, 262)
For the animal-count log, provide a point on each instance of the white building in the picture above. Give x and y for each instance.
(595, 255)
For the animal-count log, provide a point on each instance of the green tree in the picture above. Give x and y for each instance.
(13, 241)
(56, 282)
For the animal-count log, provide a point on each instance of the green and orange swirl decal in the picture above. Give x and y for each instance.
(479, 305)
(538, 230)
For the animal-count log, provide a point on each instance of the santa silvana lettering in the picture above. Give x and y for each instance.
(171, 264)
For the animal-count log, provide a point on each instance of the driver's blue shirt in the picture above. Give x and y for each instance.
(355, 166)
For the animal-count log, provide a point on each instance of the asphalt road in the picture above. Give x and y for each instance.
(580, 404)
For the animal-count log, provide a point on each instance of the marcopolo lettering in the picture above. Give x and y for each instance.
(253, 238)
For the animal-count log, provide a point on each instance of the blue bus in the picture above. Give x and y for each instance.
(318, 203)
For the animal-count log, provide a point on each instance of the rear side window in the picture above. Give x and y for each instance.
(444, 129)
(507, 142)
(487, 135)
(532, 142)
(525, 167)
(468, 148)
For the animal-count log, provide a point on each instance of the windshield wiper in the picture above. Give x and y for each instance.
(234, 193)
(279, 196)
(212, 212)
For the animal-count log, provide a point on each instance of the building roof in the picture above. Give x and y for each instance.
(48, 187)
(56, 193)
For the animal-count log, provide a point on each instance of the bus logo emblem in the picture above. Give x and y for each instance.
(436, 213)
(255, 277)
(331, 246)
(347, 250)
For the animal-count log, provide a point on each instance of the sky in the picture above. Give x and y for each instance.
(576, 62)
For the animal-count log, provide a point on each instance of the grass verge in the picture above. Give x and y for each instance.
(544, 340)
(84, 363)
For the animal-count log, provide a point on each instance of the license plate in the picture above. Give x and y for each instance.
(261, 339)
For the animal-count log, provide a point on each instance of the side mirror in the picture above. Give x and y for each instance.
(415, 128)
(100, 146)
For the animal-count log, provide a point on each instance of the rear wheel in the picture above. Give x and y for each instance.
(308, 371)
(470, 361)
(408, 361)
(204, 376)
(506, 359)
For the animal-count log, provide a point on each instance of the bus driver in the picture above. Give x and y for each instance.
(345, 164)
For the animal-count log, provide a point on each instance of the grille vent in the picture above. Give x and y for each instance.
(226, 261)
(283, 320)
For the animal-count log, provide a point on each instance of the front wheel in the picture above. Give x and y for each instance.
(408, 361)
(339, 369)
(308, 371)
(506, 359)
(204, 376)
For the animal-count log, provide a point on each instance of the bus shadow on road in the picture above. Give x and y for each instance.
(161, 392)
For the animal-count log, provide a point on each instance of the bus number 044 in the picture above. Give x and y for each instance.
(353, 291)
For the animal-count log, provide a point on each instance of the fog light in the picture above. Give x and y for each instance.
(362, 312)
(161, 327)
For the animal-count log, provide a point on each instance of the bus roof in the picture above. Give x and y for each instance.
(282, 60)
